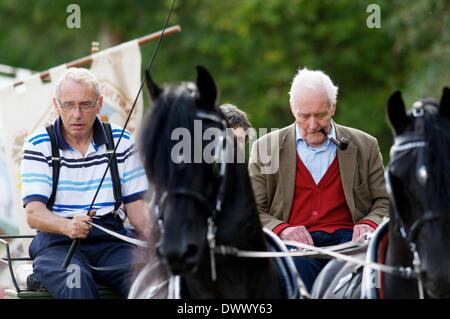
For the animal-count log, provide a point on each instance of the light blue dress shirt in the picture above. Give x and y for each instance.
(316, 159)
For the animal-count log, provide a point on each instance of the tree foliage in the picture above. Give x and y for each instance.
(254, 48)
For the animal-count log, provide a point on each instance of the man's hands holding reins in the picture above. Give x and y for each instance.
(300, 234)
(78, 226)
(297, 233)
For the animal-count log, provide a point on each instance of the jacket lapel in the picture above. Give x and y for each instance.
(347, 168)
(288, 164)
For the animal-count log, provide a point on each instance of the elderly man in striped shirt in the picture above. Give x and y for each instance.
(82, 143)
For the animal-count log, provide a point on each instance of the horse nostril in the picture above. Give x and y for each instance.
(180, 258)
(190, 253)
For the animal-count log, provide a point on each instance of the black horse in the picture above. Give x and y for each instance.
(418, 180)
(203, 202)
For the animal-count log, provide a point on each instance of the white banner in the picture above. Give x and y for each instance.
(29, 106)
(118, 71)
(9, 74)
(8, 222)
(23, 110)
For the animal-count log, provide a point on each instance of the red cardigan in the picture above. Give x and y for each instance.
(320, 207)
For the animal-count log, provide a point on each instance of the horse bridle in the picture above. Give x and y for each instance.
(213, 210)
(415, 141)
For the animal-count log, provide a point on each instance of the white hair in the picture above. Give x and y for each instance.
(314, 80)
(79, 75)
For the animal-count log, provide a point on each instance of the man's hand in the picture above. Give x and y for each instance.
(360, 229)
(297, 233)
(78, 226)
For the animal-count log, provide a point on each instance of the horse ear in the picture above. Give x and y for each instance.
(207, 88)
(153, 88)
(444, 105)
(397, 113)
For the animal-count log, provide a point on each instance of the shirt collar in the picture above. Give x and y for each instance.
(299, 137)
(99, 134)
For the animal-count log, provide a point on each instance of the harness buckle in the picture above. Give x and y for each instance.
(115, 211)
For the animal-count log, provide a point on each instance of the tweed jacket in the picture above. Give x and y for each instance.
(272, 169)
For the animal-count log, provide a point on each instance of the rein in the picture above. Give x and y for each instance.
(404, 272)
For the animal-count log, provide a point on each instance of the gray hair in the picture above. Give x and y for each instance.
(235, 117)
(314, 80)
(79, 75)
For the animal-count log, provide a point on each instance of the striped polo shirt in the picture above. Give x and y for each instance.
(80, 175)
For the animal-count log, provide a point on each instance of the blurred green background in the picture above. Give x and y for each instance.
(254, 47)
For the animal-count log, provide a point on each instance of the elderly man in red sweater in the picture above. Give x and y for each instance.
(309, 190)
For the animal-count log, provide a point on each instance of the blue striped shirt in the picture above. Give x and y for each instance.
(80, 175)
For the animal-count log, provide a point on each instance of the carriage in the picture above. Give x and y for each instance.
(24, 284)
(208, 215)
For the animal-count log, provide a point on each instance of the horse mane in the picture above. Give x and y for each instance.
(437, 132)
(175, 108)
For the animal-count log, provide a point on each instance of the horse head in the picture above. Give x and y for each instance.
(418, 181)
(183, 171)
(204, 198)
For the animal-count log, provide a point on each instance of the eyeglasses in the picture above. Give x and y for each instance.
(84, 107)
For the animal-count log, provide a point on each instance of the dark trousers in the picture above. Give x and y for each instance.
(79, 281)
(309, 268)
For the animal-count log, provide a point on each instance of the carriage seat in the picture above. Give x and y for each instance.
(28, 285)
(345, 280)
(32, 288)
(372, 282)
(285, 265)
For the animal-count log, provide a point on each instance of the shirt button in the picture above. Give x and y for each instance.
(315, 213)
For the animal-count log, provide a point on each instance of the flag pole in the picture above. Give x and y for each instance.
(87, 59)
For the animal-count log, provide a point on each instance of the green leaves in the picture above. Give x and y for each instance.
(254, 47)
